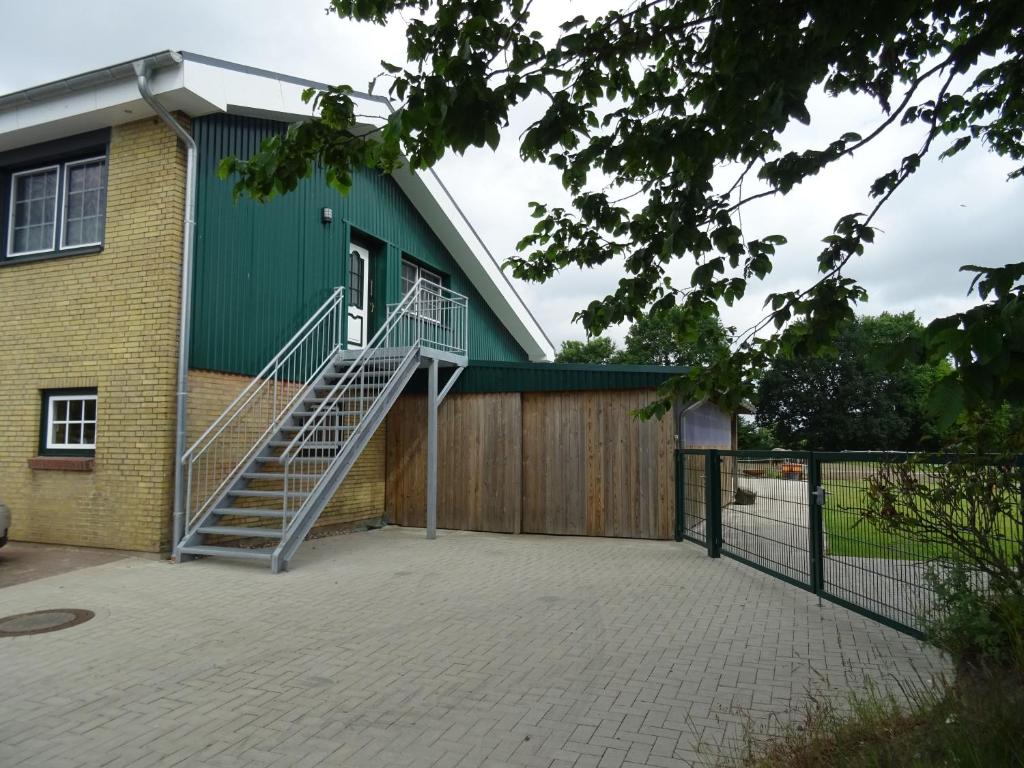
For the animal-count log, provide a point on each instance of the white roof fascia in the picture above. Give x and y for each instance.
(93, 100)
(237, 88)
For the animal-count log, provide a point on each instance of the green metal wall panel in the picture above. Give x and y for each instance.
(262, 268)
(483, 376)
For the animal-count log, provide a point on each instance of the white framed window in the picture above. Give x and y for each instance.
(85, 191)
(430, 306)
(57, 207)
(69, 421)
(32, 222)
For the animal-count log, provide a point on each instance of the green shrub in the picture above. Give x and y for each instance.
(979, 628)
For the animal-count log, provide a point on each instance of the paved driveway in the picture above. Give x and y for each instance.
(383, 649)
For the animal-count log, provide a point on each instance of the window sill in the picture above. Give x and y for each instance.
(11, 261)
(62, 463)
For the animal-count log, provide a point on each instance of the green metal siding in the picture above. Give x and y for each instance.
(261, 269)
(483, 376)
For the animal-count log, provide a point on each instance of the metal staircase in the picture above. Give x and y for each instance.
(260, 476)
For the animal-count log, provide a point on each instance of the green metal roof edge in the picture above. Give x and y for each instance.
(668, 370)
(487, 376)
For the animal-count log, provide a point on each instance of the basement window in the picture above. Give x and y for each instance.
(68, 422)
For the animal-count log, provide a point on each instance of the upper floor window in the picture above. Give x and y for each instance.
(429, 307)
(33, 211)
(56, 207)
(85, 191)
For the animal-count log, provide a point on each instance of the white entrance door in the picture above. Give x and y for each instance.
(358, 295)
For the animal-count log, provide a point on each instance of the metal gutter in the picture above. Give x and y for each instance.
(86, 80)
(142, 69)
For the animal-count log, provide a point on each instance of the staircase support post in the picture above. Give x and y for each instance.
(432, 449)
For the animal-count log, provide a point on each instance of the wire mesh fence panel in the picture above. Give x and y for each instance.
(947, 507)
(690, 475)
(874, 532)
(765, 513)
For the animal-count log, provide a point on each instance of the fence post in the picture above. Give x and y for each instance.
(713, 502)
(680, 494)
(1019, 463)
(816, 524)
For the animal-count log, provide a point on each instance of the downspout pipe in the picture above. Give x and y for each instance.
(142, 73)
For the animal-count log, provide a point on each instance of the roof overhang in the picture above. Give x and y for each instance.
(198, 85)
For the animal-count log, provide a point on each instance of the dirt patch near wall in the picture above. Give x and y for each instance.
(22, 561)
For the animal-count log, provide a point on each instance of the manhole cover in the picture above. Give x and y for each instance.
(37, 622)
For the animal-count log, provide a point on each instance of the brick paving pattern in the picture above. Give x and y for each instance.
(383, 649)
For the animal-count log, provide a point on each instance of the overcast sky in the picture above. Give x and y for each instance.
(956, 212)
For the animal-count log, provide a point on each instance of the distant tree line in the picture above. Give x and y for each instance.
(854, 397)
(654, 339)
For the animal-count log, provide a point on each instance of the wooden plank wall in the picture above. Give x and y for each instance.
(478, 464)
(590, 468)
(574, 463)
(554, 459)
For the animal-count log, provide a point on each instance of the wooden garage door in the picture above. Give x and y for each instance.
(590, 468)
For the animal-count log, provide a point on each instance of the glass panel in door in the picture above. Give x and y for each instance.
(358, 295)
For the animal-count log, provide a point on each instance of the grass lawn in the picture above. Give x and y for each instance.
(849, 534)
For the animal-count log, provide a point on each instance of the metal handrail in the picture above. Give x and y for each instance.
(304, 355)
(354, 368)
(274, 364)
(413, 323)
(444, 312)
(402, 308)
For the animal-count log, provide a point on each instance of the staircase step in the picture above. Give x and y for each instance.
(307, 446)
(395, 360)
(297, 459)
(307, 414)
(240, 553)
(294, 429)
(255, 493)
(234, 530)
(368, 381)
(368, 393)
(247, 512)
(277, 476)
(365, 375)
(347, 400)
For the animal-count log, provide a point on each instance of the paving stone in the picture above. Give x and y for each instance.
(503, 651)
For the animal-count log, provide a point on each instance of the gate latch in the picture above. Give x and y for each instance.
(819, 496)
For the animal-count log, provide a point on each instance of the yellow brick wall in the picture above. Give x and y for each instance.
(107, 320)
(360, 497)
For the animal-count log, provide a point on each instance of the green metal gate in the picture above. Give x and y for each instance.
(797, 515)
